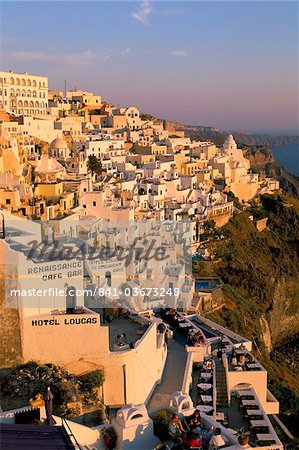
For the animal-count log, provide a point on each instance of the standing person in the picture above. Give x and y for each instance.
(217, 440)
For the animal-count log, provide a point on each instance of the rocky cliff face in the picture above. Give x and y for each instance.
(10, 338)
(259, 156)
(281, 321)
(262, 160)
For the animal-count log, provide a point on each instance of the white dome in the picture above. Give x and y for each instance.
(229, 139)
(58, 143)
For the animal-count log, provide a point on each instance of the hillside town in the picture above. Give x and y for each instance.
(79, 175)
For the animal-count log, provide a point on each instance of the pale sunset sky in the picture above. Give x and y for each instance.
(232, 65)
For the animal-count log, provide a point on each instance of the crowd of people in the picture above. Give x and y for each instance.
(190, 433)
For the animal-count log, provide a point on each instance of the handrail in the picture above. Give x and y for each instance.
(68, 429)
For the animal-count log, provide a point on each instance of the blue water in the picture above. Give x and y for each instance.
(206, 285)
(288, 157)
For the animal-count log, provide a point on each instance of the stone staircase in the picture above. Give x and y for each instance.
(222, 400)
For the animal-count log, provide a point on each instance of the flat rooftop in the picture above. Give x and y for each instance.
(124, 328)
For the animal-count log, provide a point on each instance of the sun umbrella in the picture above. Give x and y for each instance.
(49, 407)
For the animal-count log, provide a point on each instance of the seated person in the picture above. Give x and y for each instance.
(242, 360)
(234, 361)
(251, 359)
(192, 440)
(194, 422)
(216, 440)
(176, 429)
(208, 365)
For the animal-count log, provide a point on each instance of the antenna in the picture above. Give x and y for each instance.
(65, 88)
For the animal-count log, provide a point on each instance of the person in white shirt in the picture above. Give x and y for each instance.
(234, 361)
(216, 440)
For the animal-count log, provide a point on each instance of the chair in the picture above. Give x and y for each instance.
(176, 441)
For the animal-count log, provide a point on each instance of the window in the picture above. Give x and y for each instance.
(94, 203)
(8, 201)
(108, 278)
(70, 299)
(84, 206)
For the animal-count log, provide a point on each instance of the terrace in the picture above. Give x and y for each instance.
(125, 331)
(26, 428)
(125, 327)
(240, 360)
(205, 382)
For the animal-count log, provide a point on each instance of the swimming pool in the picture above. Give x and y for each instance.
(206, 285)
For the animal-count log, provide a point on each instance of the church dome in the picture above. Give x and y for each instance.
(229, 139)
(58, 143)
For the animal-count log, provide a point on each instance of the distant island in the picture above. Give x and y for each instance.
(240, 137)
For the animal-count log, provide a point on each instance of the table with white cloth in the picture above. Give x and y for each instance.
(260, 424)
(266, 439)
(254, 414)
(249, 404)
(205, 375)
(253, 366)
(204, 386)
(204, 408)
(206, 398)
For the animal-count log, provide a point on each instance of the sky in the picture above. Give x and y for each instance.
(231, 65)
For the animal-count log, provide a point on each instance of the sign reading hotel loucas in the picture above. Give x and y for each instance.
(64, 321)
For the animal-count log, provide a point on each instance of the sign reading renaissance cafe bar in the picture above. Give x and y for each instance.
(51, 270)
(44, 284)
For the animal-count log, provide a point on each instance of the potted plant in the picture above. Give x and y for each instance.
(110, 437)
(243, 436)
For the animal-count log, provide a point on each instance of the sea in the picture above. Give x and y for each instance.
(288, 157)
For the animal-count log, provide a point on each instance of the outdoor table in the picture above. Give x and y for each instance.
(205, 375)
(204, 408)
(206, 398)
(259, 424)
(239, 351)
(250, 404)
(244, 394)
(204, 386)
(184, 325)
(253, 366)
(254, 414)
(219, 417)
(267, 439)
